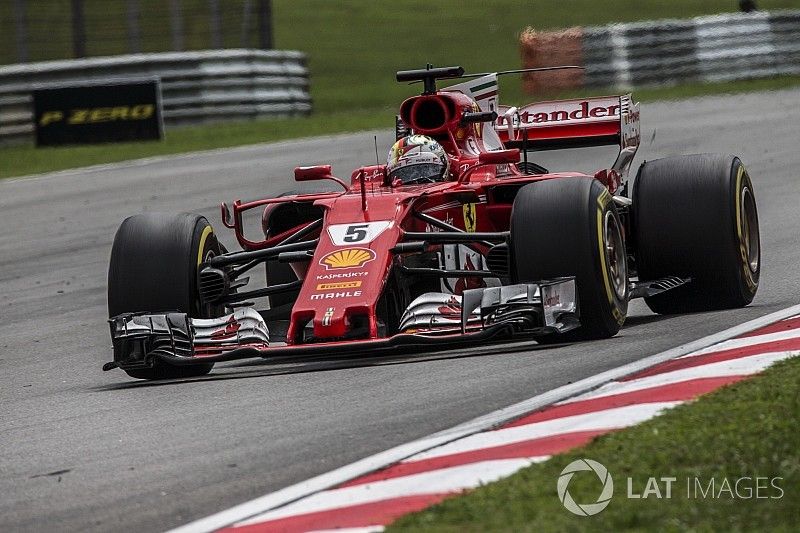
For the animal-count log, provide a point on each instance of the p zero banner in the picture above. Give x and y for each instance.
(98, 112)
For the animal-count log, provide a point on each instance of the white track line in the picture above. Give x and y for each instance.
(747, 341)
(394, 455)
(444, 480)
(750, 364)
(607, 419)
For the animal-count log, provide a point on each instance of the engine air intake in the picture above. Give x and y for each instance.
(428, 114)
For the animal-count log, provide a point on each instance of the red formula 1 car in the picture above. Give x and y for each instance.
(460, 238)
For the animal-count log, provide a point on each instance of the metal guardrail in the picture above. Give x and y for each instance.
(722, 47)
(202, 86)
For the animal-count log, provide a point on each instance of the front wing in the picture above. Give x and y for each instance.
(433, 319)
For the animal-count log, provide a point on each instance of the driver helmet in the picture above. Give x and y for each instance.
(417, 159)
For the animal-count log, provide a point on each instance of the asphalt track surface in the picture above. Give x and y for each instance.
(83, 450)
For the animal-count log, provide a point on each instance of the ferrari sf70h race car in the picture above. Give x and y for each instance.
(487, 245)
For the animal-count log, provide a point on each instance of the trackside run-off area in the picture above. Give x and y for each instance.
(743, 432)
(729, 461)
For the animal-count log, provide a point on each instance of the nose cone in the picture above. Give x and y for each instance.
(347, 274)
(341, 294)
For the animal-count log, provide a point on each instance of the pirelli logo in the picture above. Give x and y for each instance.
(85, 113)
(338, 285)
(98, 114)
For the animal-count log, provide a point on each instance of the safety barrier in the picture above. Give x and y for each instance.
(731, 46)
(202, 86)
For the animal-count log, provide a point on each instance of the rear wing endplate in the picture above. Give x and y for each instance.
(595, 121)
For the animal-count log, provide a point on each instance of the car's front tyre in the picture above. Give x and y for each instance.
(570, 227)
(153, 268)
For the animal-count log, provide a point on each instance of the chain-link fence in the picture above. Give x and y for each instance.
(39, 30)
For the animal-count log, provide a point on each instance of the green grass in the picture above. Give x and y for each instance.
(356, 35)
(747, 429)
(26, 159)
(354, 48)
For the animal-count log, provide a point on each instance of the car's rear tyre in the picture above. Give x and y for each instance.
(153, 267)
(278, 218)
(695, 216)
(570, 227)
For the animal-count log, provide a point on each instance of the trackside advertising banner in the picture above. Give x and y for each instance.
(98, 112)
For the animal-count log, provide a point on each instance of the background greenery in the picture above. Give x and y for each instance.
(354, 47)
(26, 159)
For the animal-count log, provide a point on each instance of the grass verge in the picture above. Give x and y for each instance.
(745, 430)
(354, 46)
(26, 159)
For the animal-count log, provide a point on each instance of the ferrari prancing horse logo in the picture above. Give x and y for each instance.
(326, 318)
(470, 217)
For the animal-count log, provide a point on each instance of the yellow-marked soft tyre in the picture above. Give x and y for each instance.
(153, 268)
(570, 227)
(695, 216)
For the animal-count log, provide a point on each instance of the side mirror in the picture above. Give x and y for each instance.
(227, 219)
(317, 172)
(499, 157)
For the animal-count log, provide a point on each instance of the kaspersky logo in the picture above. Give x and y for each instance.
(585, 509)
(347, 258)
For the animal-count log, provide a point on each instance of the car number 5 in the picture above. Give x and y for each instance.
(356, 233)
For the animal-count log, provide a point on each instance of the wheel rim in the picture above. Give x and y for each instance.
(615, 255)
(750, 240)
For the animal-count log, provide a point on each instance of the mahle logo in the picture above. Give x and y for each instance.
(585, 509)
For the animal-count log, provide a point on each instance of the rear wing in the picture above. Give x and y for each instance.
(596, 121)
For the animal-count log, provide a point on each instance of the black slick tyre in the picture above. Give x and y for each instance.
(153, 268)
(570, 227)
(695, 216)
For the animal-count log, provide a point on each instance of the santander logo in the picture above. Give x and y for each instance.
(580, 111)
